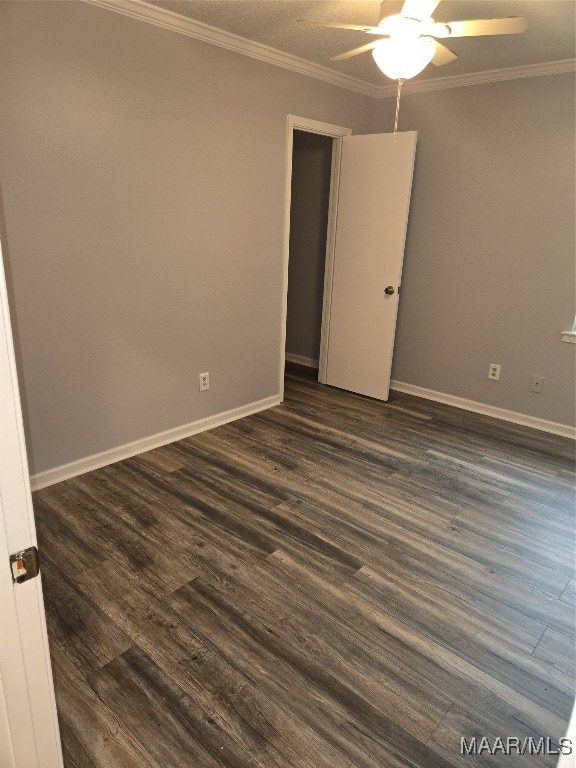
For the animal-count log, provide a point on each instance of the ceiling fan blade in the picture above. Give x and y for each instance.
(513, 25)
(355, 51)
(419, 9)
(443, 55)
(390, 8)
(339, 25)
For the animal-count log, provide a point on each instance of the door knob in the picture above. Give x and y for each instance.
(389, 290)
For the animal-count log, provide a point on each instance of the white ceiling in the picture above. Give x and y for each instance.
(550, 36)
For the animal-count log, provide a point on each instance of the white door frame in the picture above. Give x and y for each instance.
(337, 132)
(29, 734)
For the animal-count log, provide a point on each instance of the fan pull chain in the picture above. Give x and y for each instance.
(400, 84)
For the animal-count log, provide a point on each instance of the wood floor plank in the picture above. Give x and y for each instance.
(178, 509)
(343, 719)
(358, 664)
(172, 645)
(435, 563)
(225, 693)
(220, 511)
(557, 554)
(495, 657)
(159, 461)
(63, 542)
(536, 606)
(93, 736)
(463, 601)
(378, 625)
(543, 576)
(88, 637)
(117, 531)
(544, 489)
(504, 437)
(460, 723)
(569, 594)
(559, 650)
(527, 510)
(278, 528)
(160, 715)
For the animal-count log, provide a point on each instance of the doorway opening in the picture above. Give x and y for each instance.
(309, 206)
(312, 172)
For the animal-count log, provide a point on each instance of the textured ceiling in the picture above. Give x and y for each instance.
(550, 36)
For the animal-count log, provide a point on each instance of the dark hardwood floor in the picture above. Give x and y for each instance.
(332, 583)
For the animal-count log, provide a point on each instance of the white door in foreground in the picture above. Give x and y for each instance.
(371, 220)
(29, 735)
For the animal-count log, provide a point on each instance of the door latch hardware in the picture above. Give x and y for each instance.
(24, 565)
(389, 290)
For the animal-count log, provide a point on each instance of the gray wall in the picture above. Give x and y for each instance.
(142, 176)
(489, 271)
(311, 170)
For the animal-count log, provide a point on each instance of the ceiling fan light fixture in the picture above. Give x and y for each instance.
(402, 58)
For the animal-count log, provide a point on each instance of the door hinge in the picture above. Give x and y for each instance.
(24, 565)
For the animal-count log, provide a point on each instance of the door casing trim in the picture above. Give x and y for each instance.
(337, 132)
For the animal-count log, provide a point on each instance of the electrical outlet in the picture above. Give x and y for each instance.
(204, 381)
(494, 371)
(537, 384)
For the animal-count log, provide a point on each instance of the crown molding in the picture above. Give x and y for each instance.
(137, 9)
(479, 78)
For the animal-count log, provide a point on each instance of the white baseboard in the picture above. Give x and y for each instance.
(97, 460)
(300, 360)
(87, 464)
(565, 430)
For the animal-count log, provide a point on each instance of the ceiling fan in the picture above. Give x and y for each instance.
(408, 36)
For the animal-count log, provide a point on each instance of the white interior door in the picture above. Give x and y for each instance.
(373, 203)
(29, 735)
